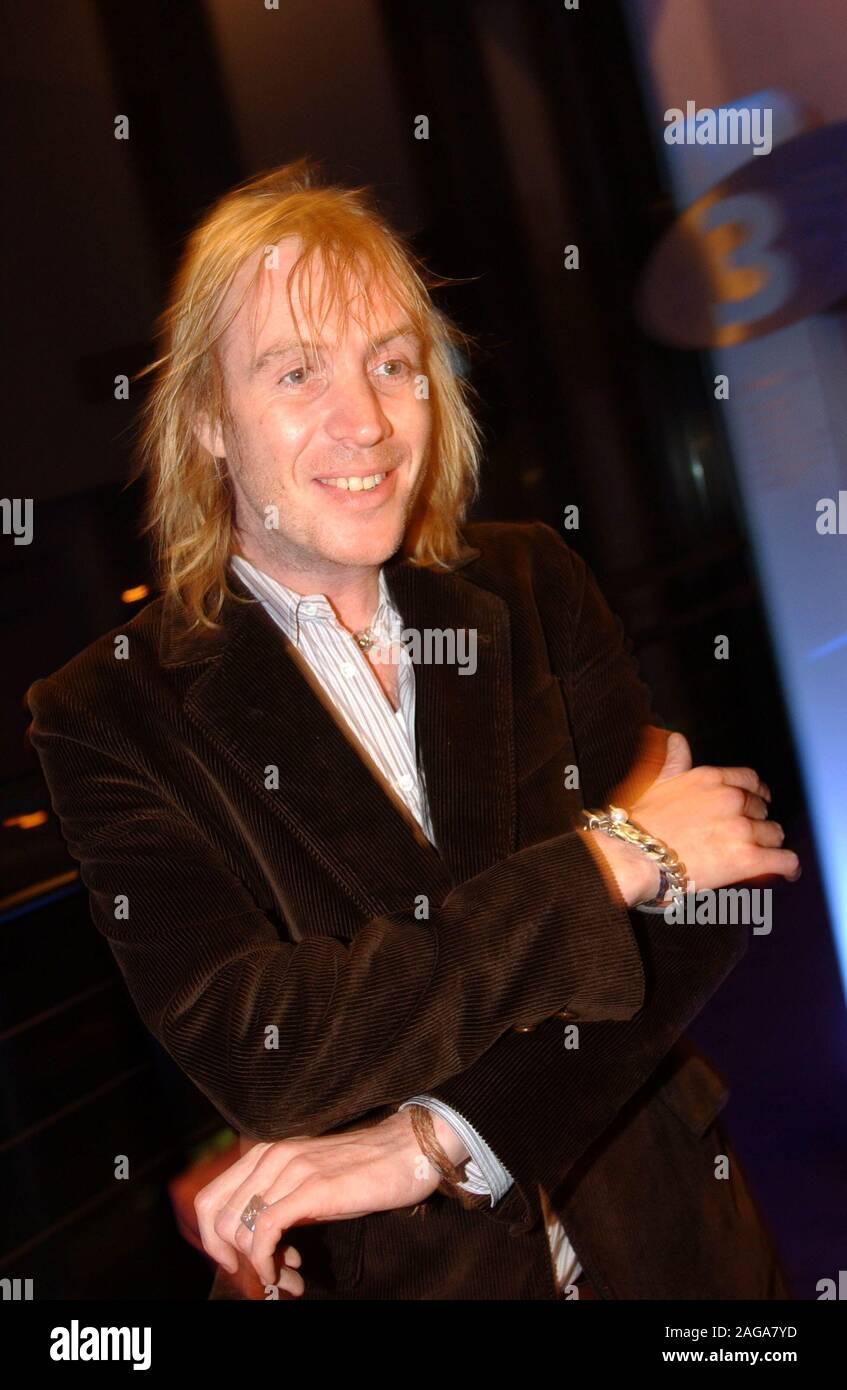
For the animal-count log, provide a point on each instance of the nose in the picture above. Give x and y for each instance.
(355, 417)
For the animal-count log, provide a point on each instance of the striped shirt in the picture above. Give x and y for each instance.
(387, 736)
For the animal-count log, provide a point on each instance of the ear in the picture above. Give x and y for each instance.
(210, 436)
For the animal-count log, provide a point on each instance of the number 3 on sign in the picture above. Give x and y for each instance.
(750, 279)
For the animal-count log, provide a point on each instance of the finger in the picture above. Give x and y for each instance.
(782, 862)
(768, 833)
(243, 1240)
(271, 1225)
(747, 778)
(220, 1250)
(290, 1282)
(230, 1219)
(260, 1180)
(755, 807)
(274, 1221)
(208, 1202)
(242, 1237)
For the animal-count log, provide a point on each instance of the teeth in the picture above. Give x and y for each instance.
(354, 484)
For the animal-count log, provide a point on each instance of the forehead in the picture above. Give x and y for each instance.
(330, 307)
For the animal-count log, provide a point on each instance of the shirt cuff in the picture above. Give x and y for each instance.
(484, 1173)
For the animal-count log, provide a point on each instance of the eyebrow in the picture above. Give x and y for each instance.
(274, 350)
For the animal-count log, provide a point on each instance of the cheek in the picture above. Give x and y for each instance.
(276, 436)
(411, 421)
(288, 430)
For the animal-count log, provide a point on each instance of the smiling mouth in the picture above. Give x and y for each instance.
(355, 483)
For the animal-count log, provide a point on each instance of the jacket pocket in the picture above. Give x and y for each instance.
(693, 1090)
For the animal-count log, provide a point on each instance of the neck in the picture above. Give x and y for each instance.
(352, 590)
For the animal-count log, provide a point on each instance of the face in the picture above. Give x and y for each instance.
(326, 448)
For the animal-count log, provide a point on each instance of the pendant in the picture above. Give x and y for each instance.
(366, 638)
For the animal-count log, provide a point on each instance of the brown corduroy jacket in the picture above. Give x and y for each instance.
(234, 901)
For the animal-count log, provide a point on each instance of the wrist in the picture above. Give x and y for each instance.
(454, 1147)
(451, 1174)
(616, 822)
(635, 874)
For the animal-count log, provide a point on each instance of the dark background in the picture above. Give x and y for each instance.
(537, 140)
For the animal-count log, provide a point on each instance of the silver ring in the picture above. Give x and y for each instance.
(256, 1204)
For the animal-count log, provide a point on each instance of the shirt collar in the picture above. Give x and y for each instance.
(292, 610)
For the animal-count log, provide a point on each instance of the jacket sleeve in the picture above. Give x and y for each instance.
(538, 1103)
(293, 1038)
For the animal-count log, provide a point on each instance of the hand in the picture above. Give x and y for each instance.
(715, 820)
(305, 1180)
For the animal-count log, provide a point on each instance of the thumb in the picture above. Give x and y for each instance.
(677, 757)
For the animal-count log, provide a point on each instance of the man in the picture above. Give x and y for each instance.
(350, 891)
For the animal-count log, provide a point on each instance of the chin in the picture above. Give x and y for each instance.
(362, 557)
(368, 549)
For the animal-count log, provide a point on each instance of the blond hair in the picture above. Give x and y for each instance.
(190, 504)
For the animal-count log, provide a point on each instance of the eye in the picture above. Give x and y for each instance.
(299, 372)
(400, 367)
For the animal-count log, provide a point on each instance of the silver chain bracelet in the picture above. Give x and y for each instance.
(672, 877)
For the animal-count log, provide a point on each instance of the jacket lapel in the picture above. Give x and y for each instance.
(256, 699)
(464, 722)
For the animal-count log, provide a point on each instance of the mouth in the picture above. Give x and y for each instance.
(354, 489)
